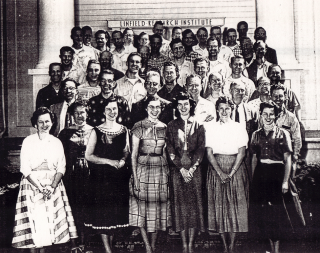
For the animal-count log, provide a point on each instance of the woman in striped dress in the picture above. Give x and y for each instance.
(43, 214)
(149, 195)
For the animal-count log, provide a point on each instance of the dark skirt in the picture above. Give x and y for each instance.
(187, 206)
(267, 212)
(228, 202)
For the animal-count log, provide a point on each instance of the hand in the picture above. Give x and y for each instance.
(136, 184)
(185, 175)
(121, 164)
(209, 118)
(224, 177)
(48, 191)
(114, 163)
(285, 187)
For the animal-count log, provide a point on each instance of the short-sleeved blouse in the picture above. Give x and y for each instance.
(225, 138)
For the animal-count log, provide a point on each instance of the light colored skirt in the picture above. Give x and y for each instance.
(228, 203)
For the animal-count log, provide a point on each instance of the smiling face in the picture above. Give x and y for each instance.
(268, 116)
(215, 82)
(237, 66)
(178, 50)
(134, 64)
(216, 33)
(247, 48)
(144, 40)
(169, 74)
(232, 38)
(224, 111)
(275, 74)
(101, 40)
(238, 92)
(105, 60)
(155, 44)
(158, 29)
(87, 36)
(44, 123)
(184, 107)
(66, 58)
(70, 91)
(188, 40)
(278, 97)
(154, 109)
(201, 68)
(202, 36)
(111, 111)
(80, 115)
(128, 37)
(55, 74)
(264, 88)
(117, 40)
(177, 34)
(194, 86)
(152, 84)
(261, 50)
(77, 39)
(243, 29)
(213, 48)
(107, 84)
(93, 72)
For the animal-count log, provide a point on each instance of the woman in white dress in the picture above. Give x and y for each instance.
(43, 214)
(227, 179)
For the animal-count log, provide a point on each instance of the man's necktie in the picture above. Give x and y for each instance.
(237, 118)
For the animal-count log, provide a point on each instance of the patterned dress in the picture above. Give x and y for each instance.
(108, 195)
(150, 207)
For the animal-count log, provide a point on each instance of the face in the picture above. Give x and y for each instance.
(224, 111)
(93, 71)
(275, 74)
(260, 34)
(261, 50)
(152, 84)
(170, 74)
(184, 107)
(44, 123)
(158, 29)
(232, 37)
(237, 66)
(80, 115)
(194, 87)
(105, 60)
(242, 31)
(66, 58)
(128, 37)
(155, 44)
(278, 97)
(154, 109)
(202, 36)
(216, 33)
(101, 40)
(145, 53)
(188, 39)
(55, 74)
(117, 40)
(215, 82)
(134, 64)
(247, 47)
(201, 68)
(238, 92)
(213, 48)
(268, 116)
(264, 88)
(177, 34)
(87, 37)
(178, 50)
(111, 111)
(144, 40)
(70, 91)
(77, 38)
(107, 84)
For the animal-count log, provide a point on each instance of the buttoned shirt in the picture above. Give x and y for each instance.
(249, 86)
(120, 60)
(86, 91)
(201, 52)
(236, 49)
(82, 56)
(272, 146)
(76, 73)
(127, 88)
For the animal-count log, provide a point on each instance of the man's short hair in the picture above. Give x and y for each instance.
(54, 64)
(86, 28)
(273, 66)
(92, 61)
(126, 30)
(234, 83)
(192, 76)
(214, 39)
(241, 39)
(201, 59)
(260, 28)
(158, 23)
(231, 30)
(257, 43)
(153, 70)
(117, 31)
(215, 28)
(175, 41)
(75, 29)
(242, 23)
(141, 34)
(233, 58)
(63, 83)
(155, 36)
(263, 79)
(278, 87)
(169, 64)
(176, 28)
(185, 32)
(268, 104)
(133, 54)
(105, 71)
(202, 29)
(66, 49)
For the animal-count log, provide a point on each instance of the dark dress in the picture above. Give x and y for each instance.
(74, 141)
(109, 194)
(267, 209)
(187, 206)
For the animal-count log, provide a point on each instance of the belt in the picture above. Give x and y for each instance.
(150, 154)
(269, 161)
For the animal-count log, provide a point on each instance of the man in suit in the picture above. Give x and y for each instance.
(61, 110)
(271, 54)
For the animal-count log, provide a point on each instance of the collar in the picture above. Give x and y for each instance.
(127, 79)
(190, 120)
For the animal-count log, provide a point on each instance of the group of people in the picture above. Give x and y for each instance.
(150, 131)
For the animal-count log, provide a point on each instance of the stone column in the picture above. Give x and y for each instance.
(56, 19)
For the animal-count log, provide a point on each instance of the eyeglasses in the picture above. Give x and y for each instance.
(69, 88)
(106, 81)
(151, 84)
(151, 107)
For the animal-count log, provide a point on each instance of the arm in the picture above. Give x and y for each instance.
(254, 163)
(200, 149)
(287, 160)
(134, 157)
(296, 138)
(239, 159)
(93, 158)
(223, 176)
(126, 152)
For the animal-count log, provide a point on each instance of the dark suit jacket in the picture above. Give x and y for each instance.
(47, 96)
(271, 55)
(56, 109)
